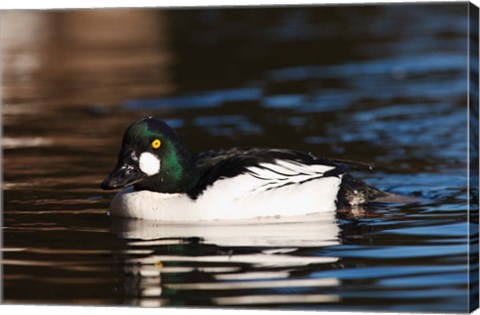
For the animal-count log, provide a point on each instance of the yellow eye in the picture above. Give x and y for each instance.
(156, 143)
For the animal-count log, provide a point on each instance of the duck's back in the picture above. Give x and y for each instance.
(263, 169)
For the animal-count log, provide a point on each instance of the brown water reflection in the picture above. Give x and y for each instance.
(84, 57)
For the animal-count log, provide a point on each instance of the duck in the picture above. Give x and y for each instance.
(161, 180)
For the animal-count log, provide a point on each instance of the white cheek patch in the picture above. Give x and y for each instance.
(149, 163)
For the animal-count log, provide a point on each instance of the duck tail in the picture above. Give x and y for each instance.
(354, 192)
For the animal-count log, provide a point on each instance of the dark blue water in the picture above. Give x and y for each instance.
(385, 85)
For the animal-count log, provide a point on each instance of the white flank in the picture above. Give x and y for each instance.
(281, 189)
(149, 163)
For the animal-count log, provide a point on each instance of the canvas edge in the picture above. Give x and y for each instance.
(473, 154)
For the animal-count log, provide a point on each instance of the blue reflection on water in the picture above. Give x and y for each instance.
(200, 100)
(384, 272)
(455, 229)
(411, 65)
(403, 251)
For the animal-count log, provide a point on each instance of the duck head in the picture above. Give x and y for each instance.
(152, 157)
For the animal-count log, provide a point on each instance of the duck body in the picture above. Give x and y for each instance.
(235, 184)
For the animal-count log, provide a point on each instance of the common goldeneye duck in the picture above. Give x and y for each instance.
(163, 181)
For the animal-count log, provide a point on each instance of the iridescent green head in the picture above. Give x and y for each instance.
(152, 157)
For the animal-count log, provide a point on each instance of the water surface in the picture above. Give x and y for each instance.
(385, 85)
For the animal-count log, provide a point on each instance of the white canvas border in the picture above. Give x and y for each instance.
(55, 4)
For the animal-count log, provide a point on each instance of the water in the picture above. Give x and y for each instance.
(385, 85)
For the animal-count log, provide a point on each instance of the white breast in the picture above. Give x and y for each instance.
(279, 190)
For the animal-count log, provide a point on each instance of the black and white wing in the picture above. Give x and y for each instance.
(267, 169)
